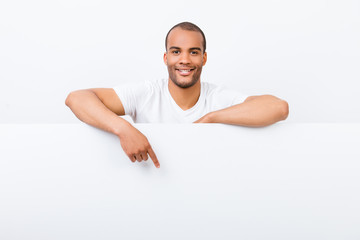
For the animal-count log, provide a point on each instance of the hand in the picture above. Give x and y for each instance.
(136, 146)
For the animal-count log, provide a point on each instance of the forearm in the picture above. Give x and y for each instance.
(88, 108)
(99, 108)
(255, 112)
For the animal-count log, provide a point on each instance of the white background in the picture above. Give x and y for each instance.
(306, 52)
(64, 181)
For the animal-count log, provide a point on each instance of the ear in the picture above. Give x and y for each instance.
(204, 58)
(165, 58)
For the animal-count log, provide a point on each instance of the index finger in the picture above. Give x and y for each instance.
(153, 157)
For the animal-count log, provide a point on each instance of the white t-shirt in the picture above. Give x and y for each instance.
(151, 102)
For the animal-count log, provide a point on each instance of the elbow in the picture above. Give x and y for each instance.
(69, 99)
(284, 110)
(76, 98)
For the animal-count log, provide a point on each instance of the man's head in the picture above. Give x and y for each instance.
(185, 54)
(189, 27)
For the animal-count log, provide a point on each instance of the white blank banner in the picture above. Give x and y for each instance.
(286, 181)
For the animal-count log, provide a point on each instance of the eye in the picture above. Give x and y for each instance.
(194, 52)
(176, 52)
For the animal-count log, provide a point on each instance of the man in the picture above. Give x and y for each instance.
(180, 98)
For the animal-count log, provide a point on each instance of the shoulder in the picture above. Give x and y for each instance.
(208, 88)
(139, 88)
(223, 94)
(219, 88)
(135, 95)
(157, 85)
(211, 89)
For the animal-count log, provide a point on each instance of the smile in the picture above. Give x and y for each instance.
(184, 72)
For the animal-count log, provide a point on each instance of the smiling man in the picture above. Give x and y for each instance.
(182, 98)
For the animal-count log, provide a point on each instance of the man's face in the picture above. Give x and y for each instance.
(184, 57)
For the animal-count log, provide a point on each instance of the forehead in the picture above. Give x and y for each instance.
(184, 39)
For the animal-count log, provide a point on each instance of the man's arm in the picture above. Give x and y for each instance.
(255, 111)
(101, 108)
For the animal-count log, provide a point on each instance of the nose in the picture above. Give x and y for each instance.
(184, 58)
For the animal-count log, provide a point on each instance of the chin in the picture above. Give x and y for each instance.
(184, 81)
(184, 84)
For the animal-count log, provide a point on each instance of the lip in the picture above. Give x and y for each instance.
(184, 71)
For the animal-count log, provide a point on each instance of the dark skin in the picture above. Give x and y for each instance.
(184, 59)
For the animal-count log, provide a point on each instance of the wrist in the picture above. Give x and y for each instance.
(120, 127)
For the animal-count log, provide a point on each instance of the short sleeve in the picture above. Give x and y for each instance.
(222, 97)
(133, 96)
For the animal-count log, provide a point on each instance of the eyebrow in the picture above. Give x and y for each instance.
(194, 48)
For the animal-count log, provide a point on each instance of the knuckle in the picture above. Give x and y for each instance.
(131, 157)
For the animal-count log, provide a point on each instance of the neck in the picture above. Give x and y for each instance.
(185, 98)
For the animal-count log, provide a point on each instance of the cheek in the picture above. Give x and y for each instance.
(171, 60)
(199, 61)
(167, 61)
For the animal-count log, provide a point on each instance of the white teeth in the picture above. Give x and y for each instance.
(183, 70)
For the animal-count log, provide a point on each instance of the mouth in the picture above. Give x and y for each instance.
(184, 71)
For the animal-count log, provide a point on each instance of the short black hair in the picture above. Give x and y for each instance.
(190, 27)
